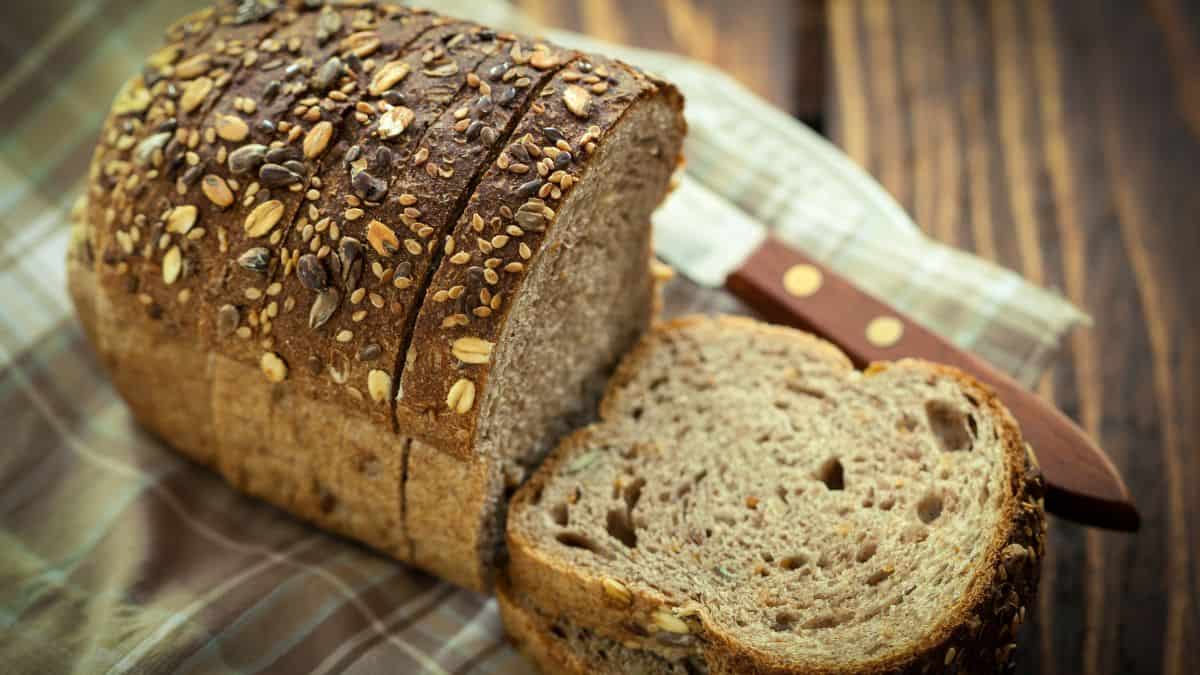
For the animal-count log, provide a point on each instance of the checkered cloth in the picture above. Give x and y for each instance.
(117, 556)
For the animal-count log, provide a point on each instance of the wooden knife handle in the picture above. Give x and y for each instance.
(790, 288)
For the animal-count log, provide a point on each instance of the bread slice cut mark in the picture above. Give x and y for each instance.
(426, 276)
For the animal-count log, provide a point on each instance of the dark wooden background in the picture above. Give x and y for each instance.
(1062, 140)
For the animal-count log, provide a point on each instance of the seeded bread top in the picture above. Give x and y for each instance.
(151, 141)
(501, 230)
(283, 180)
(750, 498)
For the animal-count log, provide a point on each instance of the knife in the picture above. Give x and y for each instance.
(715, 244)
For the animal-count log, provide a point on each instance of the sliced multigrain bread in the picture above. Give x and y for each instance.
(750, 500)
(266, 209)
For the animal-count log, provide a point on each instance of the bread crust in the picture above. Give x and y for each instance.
(976, 635)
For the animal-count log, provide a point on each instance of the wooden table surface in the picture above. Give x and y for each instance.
(1062, 140)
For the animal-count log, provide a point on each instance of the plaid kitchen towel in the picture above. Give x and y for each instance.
(117, 556)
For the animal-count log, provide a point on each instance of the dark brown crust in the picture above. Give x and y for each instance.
(494, 244)
(980, 629)
(434, 163)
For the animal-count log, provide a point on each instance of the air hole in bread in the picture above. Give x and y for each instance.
(725, 518)
(369, 465)
(782, 492)
(794, 561)
(577, 540)
(785, 621)
(887, 503)
(949, 426)
(878, 576)
(767, 557)
(657, 382)
(559, 513)
(929, 508)
(620, 528)
(832, 474)
(637, 412)
(558, 632)
(827, 620)
(536, 497)
(866, 551)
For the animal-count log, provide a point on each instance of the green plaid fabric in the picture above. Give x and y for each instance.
(116, 556)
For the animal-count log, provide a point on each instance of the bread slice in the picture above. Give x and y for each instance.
(561, 648)
(751, 500)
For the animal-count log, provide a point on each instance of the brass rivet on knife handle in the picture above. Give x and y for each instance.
(885, 331)
(802, 280)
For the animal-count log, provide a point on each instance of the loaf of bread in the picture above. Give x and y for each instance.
(749, 502)
(369, 262)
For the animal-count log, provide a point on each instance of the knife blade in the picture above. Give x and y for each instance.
(715, 244)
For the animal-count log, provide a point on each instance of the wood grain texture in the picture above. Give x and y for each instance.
(1061, 139)
(775, 47)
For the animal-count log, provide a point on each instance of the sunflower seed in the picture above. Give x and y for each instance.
(284, 154)
(328, 24)
(328, 74)
(311, 272)
(369, 187)
(143, 154)
(278, 175)
(246, 158)
(369, 352)
(256, 259)
(323, 307)
(349, 251)
(227, 320)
